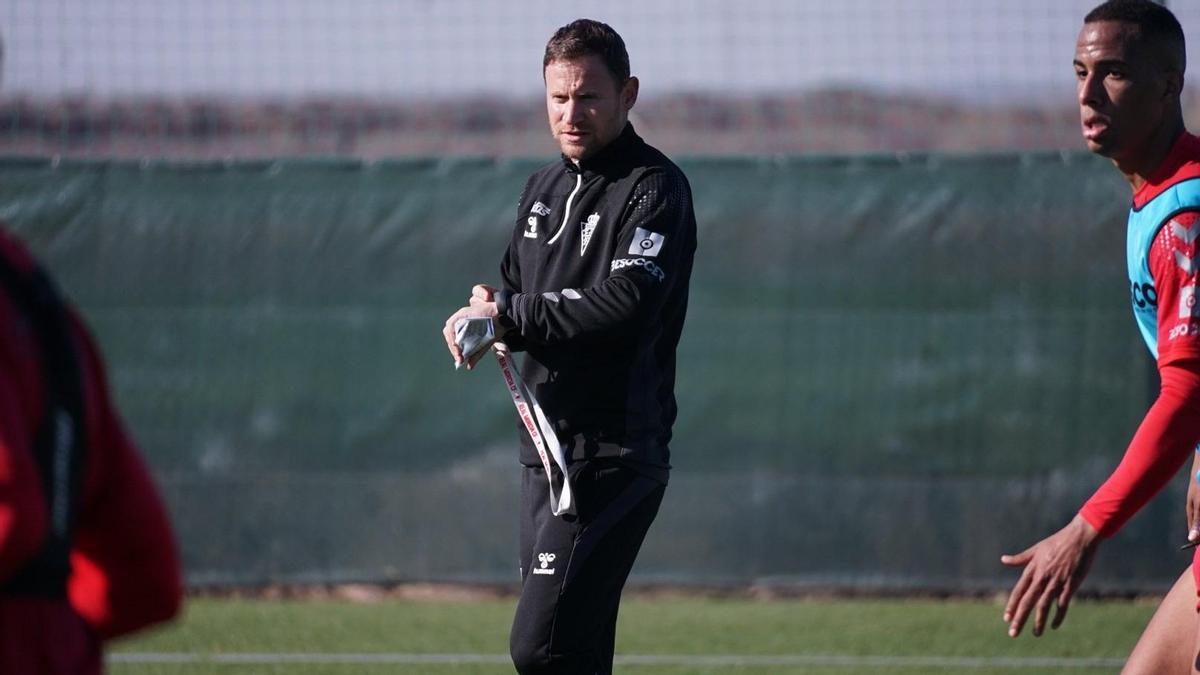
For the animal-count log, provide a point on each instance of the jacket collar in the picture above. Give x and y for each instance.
(614, 152)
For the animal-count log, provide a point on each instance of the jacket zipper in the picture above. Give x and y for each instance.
(567, 211)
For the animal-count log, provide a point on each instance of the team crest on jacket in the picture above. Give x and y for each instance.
(585, 231)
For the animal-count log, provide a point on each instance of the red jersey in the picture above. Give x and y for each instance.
(125, 571)
(1171, 429)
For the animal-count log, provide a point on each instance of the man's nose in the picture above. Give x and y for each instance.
(1091, 90)
(572, 111)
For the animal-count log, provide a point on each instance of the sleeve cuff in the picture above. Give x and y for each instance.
(1097, 522)
(503, 303)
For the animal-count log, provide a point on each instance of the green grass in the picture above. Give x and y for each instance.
(649, 626)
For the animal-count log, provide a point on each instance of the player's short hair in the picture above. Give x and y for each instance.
(585, 37)
(1155, 23)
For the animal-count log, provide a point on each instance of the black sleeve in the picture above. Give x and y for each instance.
(510, 276)
(654, 249)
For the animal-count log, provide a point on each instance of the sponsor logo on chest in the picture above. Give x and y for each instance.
(531, 223)
(1144, 297)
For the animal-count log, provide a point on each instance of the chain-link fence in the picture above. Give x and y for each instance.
(382, 78)
(899, 359)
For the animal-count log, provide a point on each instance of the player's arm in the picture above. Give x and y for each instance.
(654, 246)
(1171, 428)
(482, 302)
(125, 567)
(510, 277)
(1165, 440)
(1192, 503)
(24, 516)
(1056, 566)
(24, 519)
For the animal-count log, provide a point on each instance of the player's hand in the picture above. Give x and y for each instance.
(1193, 502)
(477, 308)
(1054, 569)
(484, 292)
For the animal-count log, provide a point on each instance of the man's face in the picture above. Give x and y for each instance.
(586, 107)
(1123, 94)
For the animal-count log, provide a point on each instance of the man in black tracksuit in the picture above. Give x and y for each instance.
(595, 287)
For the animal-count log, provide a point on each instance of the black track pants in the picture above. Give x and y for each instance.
(573, 570)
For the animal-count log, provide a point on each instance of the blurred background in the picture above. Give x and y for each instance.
(387, 78)
(909, 347)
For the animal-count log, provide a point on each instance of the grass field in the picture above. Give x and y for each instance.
(657, 635)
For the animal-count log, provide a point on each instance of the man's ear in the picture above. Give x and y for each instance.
(1174, 84)
(629, 93)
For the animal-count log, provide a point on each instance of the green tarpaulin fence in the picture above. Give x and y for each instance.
(893, 369)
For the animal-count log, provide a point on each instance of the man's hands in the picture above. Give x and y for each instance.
(481, 305)
(1054, 569)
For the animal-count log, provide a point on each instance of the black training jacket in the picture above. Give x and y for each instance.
(595, 288)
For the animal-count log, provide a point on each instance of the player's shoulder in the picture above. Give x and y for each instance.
(1175, 184)
(654, 171)
(14, 252)
(1186, 177)
(1178, 230)
(653, 161)
(1181, 203)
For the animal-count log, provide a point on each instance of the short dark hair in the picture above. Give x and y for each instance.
(585, 37)
(1155, 23)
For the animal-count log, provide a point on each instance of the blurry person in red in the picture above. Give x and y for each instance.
(86, 550)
